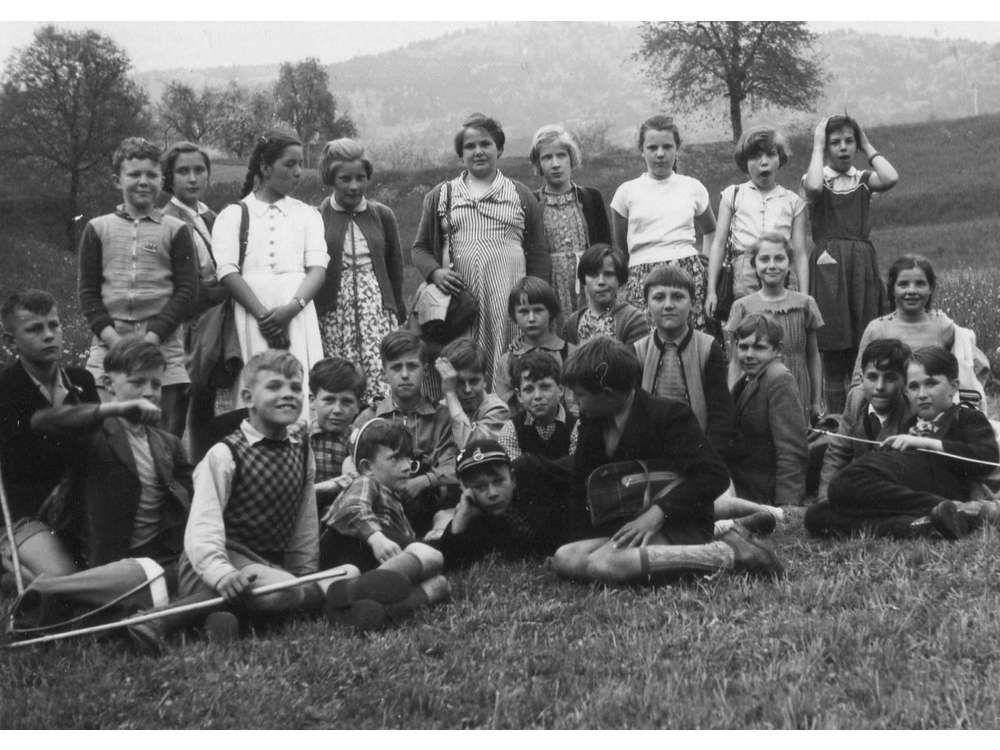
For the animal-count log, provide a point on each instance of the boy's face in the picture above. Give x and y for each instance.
(930, 395)
(35, 338)
(491, 487)
(755, 353)
(389, 467)
(540, 398)
(669, 307)
(274, 398)
(140, 181)
(471, 388)
(147, 384)
(532, 319)
(599, 404)
(883, 388)
(405, 374)
(335, 412)
(602, 286)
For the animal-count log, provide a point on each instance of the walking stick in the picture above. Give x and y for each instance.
(9, 524)
(181, 609)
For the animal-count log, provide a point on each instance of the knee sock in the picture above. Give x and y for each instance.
(660, 562)
(429, 592)
(418, 562)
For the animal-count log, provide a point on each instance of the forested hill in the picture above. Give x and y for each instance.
(579, 73)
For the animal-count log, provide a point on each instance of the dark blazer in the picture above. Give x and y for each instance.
(595, 214)
(770, 453)
(378, 227)
(659, 428)
(112, 490)
(32, 465)
(854, 424)
(428, 246)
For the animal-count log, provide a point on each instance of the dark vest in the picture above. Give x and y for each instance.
(554, 448)
(266, 496)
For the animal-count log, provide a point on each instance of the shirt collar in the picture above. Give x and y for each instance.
(680, 343)
(388, 406)
(829, 173)
(560, 417)
(363, 206)
(523, 348)
(202, 208)
(154, 215)
(882, 419)
(61, 386)
(623, 414)
(254, 436)
(259, 208)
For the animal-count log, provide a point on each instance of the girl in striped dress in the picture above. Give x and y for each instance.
(362, 298)
(482, 232)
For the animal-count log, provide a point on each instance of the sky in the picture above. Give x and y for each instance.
(157, 44)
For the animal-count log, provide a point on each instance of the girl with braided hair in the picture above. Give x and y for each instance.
(286, 258)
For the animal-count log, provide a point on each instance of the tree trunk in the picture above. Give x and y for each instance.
(735, 117)
(74, 198)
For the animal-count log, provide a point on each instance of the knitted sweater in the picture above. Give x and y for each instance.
(630, 324)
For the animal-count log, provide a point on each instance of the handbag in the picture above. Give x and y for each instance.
(725, 295)
(623, 490)
(463, 308)
(212, 354)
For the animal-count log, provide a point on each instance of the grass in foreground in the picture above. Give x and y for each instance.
(861, 634)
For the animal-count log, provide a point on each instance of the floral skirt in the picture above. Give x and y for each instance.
(696, 270)
(356, 328)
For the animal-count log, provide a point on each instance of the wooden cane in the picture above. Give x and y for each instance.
(9, 524)
(181, 609)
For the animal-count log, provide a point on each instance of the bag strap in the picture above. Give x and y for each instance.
(729, 239)
(451, 231)
(244, 233)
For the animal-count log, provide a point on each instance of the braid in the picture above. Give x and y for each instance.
(273, 142)
(251, 175)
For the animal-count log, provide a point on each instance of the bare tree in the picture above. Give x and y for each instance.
(67, 101)
(760, 61)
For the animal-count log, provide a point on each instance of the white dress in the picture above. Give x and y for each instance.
(285, 239)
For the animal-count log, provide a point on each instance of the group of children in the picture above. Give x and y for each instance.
(385, 494)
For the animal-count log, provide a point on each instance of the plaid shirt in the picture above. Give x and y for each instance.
(330, 451)
(366, 507)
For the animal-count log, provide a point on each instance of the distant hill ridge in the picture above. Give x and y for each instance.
(528, 74)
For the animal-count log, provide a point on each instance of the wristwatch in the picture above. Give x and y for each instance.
(302, 302)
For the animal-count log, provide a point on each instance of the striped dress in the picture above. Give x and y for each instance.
(486, 249)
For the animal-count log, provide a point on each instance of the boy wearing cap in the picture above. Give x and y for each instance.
(513, 508)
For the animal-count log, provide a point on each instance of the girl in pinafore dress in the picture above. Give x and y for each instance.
(843, 269)
(286, 257)
(795, 312)
(361, 300)
(492, 228)
(574, 217)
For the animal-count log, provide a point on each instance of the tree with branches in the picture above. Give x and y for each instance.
(303, 98)
(67, 102)
(186, 112)
(760, 61)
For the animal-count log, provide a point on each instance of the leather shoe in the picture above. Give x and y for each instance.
(752, 558)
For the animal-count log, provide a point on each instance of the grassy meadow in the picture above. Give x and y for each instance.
(861, 634)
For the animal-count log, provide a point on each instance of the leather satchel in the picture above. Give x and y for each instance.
(725, 296)
(623, 490)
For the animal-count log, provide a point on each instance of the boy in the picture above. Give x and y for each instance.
(514, 508)
(542, 426)
(681, 363)
(770, 452)
(404, 364)
(474, 412)
(32, 464)
(136, 480)
(918, 483)
(621, 422)
(534, 307)
(337, 387)
(139, 273)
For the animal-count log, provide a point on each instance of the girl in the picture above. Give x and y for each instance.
(186, 173)
(654, 216)
(770, 453)
(909, 285)
(843, 269)
(602, 271)
(574, 217)
(492, 229)
(362, 298)
(749, 210)
(286, 257)
(909, 488)
(795, 312)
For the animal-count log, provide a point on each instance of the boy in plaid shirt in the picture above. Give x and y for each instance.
(337, 389)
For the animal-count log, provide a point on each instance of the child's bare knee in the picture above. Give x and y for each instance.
(569, 562)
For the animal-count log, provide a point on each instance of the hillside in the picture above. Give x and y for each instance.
(581, 74)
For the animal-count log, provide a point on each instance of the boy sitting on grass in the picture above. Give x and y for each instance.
(514, 508)
(337, 387)
(542, 426)
(367, 526)
(621, 422)
(534, 307)
(918, 483)
(33, 464)
(404, 364)
(474, 412)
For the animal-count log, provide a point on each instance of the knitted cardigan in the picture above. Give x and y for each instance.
(630, 324)
(595, 214)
